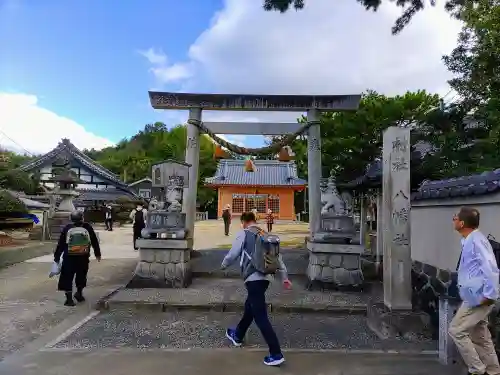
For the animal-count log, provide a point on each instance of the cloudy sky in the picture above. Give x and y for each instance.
(82, 70)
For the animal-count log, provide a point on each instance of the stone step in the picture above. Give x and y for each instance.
(182, 330)
(229, 295)
(206, 263)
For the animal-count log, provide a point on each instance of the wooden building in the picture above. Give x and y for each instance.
(271, 186)
(98, 185)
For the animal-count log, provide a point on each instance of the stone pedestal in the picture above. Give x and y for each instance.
(334, 265)
(163, 264)
(57, 223)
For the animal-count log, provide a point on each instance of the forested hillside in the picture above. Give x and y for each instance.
(132, 158)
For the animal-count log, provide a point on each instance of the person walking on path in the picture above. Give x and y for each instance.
(226, 216)
(256, 283)
(138, 216)
(269, 220)
(108, 217)
(478, 282)
(74, 245)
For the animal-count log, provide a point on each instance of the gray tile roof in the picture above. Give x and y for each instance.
(477, 184)
(373, 173)
(66, 148)
(29, 203)
(102, 194)
(269, 173)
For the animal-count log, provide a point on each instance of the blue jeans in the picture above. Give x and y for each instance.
(256, 310)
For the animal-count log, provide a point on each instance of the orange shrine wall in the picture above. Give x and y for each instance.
(286, 200)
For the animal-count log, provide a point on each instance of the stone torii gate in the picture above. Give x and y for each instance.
(310, 104)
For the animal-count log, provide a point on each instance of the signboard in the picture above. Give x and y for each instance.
(170, 173)
(166, 220)
(237, 102)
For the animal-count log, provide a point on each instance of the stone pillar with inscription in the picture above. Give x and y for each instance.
(396, 218)
(193, 159)
(314, 171)
(165, 247)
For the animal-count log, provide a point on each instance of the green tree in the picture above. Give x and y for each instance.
(410, 8)
(14, 179)
(133, 158)
(351, 140)
(475, 62)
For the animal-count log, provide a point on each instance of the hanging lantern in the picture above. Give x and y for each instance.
(250, 166)
(286, 154)
(220, 153)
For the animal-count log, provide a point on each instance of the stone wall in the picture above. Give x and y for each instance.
(428, 283)
(163, 264)
(334, 266)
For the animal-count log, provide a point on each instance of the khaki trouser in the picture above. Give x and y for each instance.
(469, 331)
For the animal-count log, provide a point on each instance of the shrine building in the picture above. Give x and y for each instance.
(270, 186)
(96, 185)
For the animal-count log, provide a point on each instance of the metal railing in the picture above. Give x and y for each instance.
(200, 216)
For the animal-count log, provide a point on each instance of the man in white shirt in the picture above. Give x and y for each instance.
(478, 282)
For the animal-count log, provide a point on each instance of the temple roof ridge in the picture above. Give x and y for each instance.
(66, 146)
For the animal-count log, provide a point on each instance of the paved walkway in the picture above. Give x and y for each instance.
(30, 304)
(209, 234)
(217, 362)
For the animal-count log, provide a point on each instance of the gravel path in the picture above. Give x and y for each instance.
(188, 329)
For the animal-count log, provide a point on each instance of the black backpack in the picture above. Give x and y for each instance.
(496, 248)
(494, 245)
(139, 217)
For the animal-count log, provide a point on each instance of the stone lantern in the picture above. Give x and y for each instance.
(65, 181)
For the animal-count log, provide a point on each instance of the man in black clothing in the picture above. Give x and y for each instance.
(108, 218)
(138, 217)
(74, 247)
(226, 216)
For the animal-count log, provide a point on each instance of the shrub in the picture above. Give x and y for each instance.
(10, 204)
(17, 180)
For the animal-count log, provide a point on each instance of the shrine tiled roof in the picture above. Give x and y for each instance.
(268, 173)
(66, 149)
(373, 172)
(473, 185)
(103, 194)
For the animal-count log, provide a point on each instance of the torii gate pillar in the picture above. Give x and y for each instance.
(192, 158)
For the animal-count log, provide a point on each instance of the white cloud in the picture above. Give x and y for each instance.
(26, 126)
(165, 72)
(330, 47)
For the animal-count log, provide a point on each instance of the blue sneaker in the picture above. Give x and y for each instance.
(274, 360)
(231, 335)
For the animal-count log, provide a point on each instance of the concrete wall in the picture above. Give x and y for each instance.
(433, 240)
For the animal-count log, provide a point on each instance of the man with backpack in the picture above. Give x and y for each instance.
(74, 245)
(259, 261)
(138, 216)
